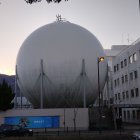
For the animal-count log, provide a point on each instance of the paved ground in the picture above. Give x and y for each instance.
(124, 134)
(89, 136)
(131, 126)
(84, 135)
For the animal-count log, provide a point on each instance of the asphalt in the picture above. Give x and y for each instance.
(124, 134)
(131, 126)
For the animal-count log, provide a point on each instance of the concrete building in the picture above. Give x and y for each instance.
(126, 82)
(108, 89)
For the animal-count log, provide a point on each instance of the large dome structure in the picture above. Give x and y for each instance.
(57, 66)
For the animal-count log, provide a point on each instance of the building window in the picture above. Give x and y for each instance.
(135, 74)
(131, 76)
(126, 78)
(132, 93)
(115, 96)
(137, 92)
(119, 96)
(127, 94)
(124, 114)
(115, 83)
(128, 114)
(134, 57)
(130, 59)
(109, 58)
(122, 79)
(121, 64)
(138, 114)
(133, 114)
(117, 67)
(114, 68)
(118, 81)
(123, 95)
(125, 62)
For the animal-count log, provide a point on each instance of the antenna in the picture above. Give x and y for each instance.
(128, 39)
(59, 19)
(122, 39)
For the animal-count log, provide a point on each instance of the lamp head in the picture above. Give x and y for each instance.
(101, 59)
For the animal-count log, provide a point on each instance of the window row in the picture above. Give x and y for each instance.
(123, 63)
(133, 114)
(125, 94)
(124, 78)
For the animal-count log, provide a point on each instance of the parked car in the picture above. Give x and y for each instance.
(14, 130)
(136, 135)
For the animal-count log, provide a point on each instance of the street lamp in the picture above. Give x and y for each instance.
(99, 59)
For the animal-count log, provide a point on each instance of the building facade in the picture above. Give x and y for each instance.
(126, 82)
(108, 94)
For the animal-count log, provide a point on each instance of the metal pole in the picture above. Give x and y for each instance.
(98, 81)
(15, 100)
(41, 88)
(83, 74)
(20, 100)
(64, 120)
(84, 92)
(98, 61)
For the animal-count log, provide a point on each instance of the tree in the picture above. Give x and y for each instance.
(55, 1)
(139, 4)
(34, 1)
(6, 96)
(74, 117)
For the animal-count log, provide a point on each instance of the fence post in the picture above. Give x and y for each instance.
(58, 132)
(79, 133)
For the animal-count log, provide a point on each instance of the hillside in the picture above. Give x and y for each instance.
(10, 80)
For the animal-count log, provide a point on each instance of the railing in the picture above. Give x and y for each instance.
(127, 105)
(135, 42)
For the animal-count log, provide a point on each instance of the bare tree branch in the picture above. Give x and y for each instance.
(139, 5)
(34, 1)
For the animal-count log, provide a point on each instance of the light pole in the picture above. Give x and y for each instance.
(41, 84)
(99, 59)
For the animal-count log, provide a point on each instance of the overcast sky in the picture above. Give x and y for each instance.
(111, 21)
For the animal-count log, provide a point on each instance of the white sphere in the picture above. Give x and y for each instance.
(61, 46)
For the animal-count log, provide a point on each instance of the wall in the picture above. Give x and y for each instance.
(66, 116)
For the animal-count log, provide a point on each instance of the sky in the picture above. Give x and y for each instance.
(113, 22)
